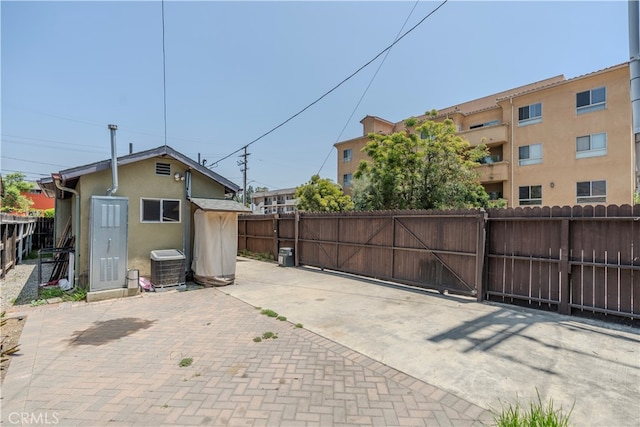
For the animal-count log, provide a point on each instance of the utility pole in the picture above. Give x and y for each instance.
(634, 71)
(243, 168)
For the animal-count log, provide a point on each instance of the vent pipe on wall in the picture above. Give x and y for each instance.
(114, 162)
(634, 71)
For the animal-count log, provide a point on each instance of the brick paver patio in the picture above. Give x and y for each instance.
(117, 363)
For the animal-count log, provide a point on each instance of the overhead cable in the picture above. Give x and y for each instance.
(333, 88)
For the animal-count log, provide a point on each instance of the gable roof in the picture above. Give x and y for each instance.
(165, 150)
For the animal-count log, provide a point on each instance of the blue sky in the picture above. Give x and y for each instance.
(235, 70)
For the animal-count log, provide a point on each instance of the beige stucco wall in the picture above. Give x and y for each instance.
(557, 132)
(136, 181)
(560, 170)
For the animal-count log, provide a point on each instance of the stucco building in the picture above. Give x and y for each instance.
(554, 142)
(274, 201)
(148, 204)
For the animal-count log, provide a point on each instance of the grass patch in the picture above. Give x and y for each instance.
(281, 318)
(260, 256)
(299, 325)
(77, 294)
(271, 335)
(537, 415)
(187, 361)
(269, 313)
(257, 339)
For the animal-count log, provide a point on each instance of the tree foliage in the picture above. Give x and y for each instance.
(13, 200)
(426, 167)
(322, 195)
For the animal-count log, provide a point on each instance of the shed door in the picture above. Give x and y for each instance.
(108, 232)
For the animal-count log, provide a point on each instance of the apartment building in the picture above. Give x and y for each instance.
(275, 201)
(554, 142)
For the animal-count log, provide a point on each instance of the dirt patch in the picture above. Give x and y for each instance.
(11, 332)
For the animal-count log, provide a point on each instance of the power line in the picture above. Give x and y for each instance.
(333, 88)
(32, 161)
(367, 88)
(164, 79)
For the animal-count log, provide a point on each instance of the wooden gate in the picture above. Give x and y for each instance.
(442, 251)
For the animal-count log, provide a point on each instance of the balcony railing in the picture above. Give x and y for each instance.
(494, 172)
(490, 135)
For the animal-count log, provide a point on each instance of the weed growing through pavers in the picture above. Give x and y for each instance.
(270, 313)
(266, 336)
(299, 325)
(538, 415)
(187, 361)
(281, 318)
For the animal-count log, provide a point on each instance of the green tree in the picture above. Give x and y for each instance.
(425, 167)
(13, 200)
(322, 195)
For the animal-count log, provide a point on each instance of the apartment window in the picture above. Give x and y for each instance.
(591, 145)
(591, 100)
(346, 179)
(163, 168)
(347, 155)
(530, 154)
(159, 210)
(530, 195)
(591, 191)
(530, 114)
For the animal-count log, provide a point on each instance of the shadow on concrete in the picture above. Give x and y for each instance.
(110, 330)
(490, 330)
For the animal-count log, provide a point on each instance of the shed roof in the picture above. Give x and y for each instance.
(221, 205)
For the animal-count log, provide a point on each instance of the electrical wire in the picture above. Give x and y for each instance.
(164, 79)
(333, 88)
(366, 89)
(32, 161)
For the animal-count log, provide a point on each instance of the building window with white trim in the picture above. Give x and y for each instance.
(347, 155)
(591, 100)
(159, 210)
(591, 145)
(346, 179)
(530, 154)
(530, 195)
(591, 191)
(530, 114)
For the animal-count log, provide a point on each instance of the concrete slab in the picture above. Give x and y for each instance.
(485, 353)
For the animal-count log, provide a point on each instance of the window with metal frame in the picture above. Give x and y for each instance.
(591, 100)
(159, 210)
(593, 145)
(530, 154)
(347, 179)
(530, 195)
(347, 155)
(530, 114)
(591, 191)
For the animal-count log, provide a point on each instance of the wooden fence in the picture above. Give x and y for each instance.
(565, 259)
(16, 234)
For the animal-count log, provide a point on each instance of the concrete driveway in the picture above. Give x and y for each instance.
(484, 353)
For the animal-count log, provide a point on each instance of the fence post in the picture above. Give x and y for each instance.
(480, 255)
(565, 274)
(276, 235)
(296, 235)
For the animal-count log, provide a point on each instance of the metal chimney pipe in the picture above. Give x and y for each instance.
(114, 161)
(634, 72)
